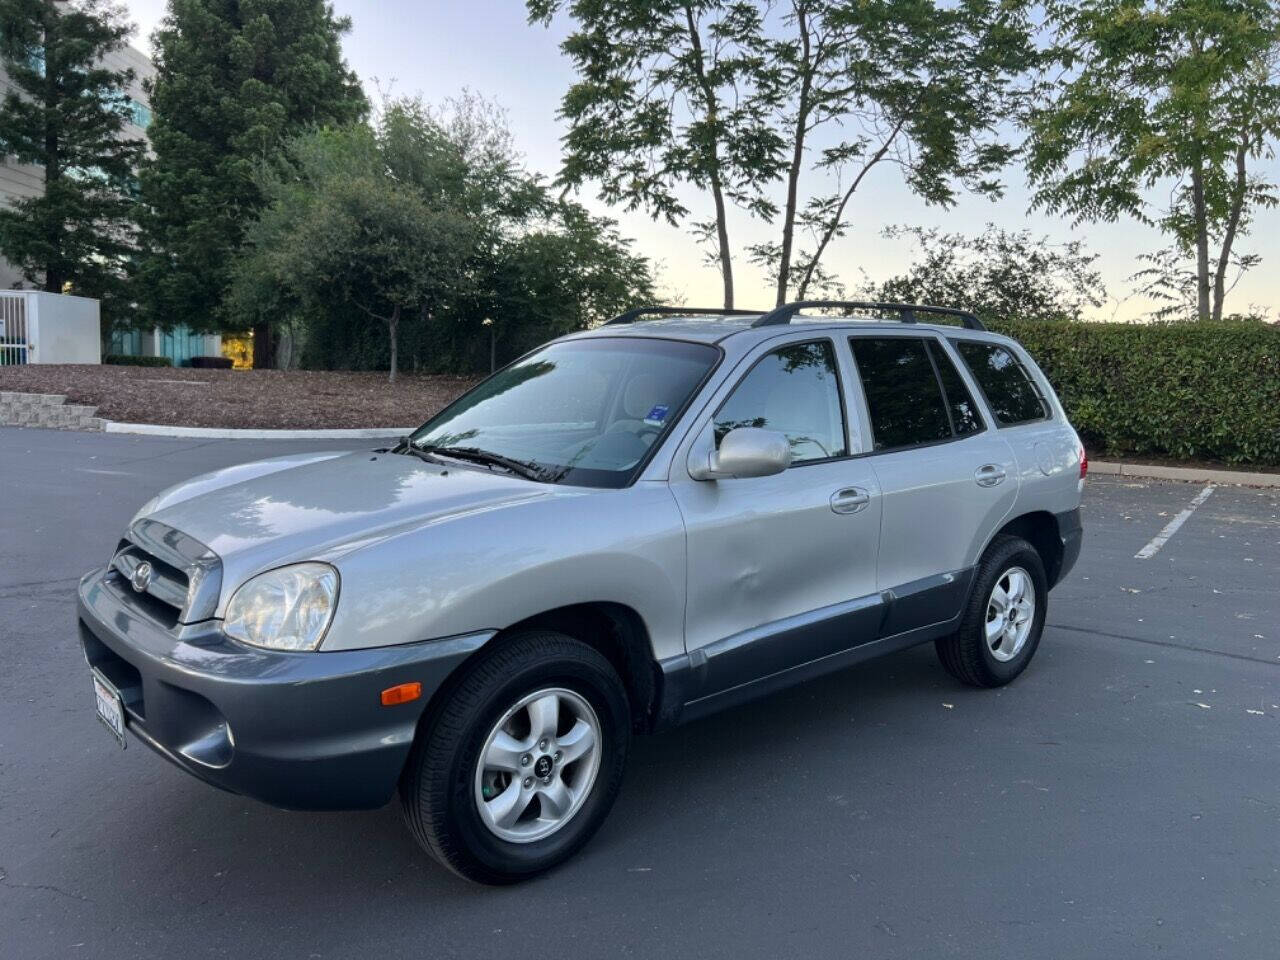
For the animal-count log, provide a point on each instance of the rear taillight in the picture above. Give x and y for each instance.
(1084, 464)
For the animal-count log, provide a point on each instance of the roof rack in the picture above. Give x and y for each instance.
(638, 312)
(906, 311)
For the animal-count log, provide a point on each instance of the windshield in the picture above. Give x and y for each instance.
(581, 412)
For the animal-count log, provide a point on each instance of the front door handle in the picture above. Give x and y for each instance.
(989, 474)
(849, 500)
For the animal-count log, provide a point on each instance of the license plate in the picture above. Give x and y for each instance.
(110, 707)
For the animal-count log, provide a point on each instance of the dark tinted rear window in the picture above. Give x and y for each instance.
(964, 412)
(1009, 389)
(903, 396)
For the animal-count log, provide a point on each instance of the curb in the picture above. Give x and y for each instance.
(1191, 474)
(229, 433)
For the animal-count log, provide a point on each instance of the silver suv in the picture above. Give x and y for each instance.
(626, 529)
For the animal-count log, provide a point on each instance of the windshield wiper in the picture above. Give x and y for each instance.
(406, 446)
(486, 458)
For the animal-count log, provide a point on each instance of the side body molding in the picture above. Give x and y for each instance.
(776, 655)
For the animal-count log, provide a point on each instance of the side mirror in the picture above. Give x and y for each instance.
(744, 452)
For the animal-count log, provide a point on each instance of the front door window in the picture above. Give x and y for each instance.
(793, 390)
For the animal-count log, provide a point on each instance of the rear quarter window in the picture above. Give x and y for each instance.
(1009, 388)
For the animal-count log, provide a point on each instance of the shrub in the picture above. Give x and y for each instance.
(212, 363)
(126, 360)
(1190, 390)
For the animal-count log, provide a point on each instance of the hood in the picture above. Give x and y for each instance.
(277, 512)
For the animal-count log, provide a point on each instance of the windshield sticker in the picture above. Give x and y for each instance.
(657, 415)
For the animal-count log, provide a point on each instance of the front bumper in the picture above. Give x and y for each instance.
(304, 731)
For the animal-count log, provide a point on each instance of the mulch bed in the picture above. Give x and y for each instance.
(241, 398)
(297, 400)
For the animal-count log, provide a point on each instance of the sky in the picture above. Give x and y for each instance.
(436, 49)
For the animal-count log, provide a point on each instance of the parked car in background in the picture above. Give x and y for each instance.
(626, 529)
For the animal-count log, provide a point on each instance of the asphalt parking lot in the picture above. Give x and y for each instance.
(1121, 799)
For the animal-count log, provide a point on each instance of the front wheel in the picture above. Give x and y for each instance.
(1003, 619)
(520, 764)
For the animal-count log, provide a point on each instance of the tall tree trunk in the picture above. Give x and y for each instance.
(263, 354)
(1233, 224)
(833, 225)
(717, 185)
(722, 238)
(393, 325)
(1202, 239)
(797, 157)
(54, 268)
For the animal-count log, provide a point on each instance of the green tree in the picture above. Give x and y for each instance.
(381, 248)
(569, 271)
(235, 79)
(1166, 278)
(427, 225)
(340, 232)
(1182, 94)
(65, 112)
(671, 93)
(744, 98)
(906, 84)
(540, 266)
(998, 274)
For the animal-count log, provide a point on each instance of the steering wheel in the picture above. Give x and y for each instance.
(647, 430)
(637, 428)
(797, 441)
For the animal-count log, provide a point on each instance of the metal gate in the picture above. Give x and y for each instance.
(14, 345)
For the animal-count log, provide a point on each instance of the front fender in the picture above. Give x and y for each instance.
(494, 568)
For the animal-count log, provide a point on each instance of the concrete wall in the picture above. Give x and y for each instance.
(63, 329)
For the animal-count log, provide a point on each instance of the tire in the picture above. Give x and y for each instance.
(444, 785)
(966, 654)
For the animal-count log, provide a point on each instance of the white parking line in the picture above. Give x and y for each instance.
(1170, 528)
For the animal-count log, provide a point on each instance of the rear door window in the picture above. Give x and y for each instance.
(1012, 394)
(904, 397)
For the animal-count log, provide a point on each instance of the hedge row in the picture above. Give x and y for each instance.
(1208, 391)
(211, 363)
(128, 360)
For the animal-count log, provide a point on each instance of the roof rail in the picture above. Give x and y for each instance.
(635, 314)
(906, 311)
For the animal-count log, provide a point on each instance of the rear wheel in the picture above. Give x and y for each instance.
(520, 764)
(1003, 619)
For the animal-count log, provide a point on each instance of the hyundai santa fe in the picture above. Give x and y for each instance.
(626, 529)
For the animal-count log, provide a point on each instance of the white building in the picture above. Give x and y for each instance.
(19, 180)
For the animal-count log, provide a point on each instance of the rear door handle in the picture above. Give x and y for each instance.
(849, 500)
(989, 474)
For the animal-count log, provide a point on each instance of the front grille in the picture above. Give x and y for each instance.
(166, 584)
(185, 575)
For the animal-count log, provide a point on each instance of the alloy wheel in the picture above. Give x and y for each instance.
(538, 765)
(1011, 612)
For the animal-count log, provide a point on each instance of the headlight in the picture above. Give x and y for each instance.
(285, 609)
